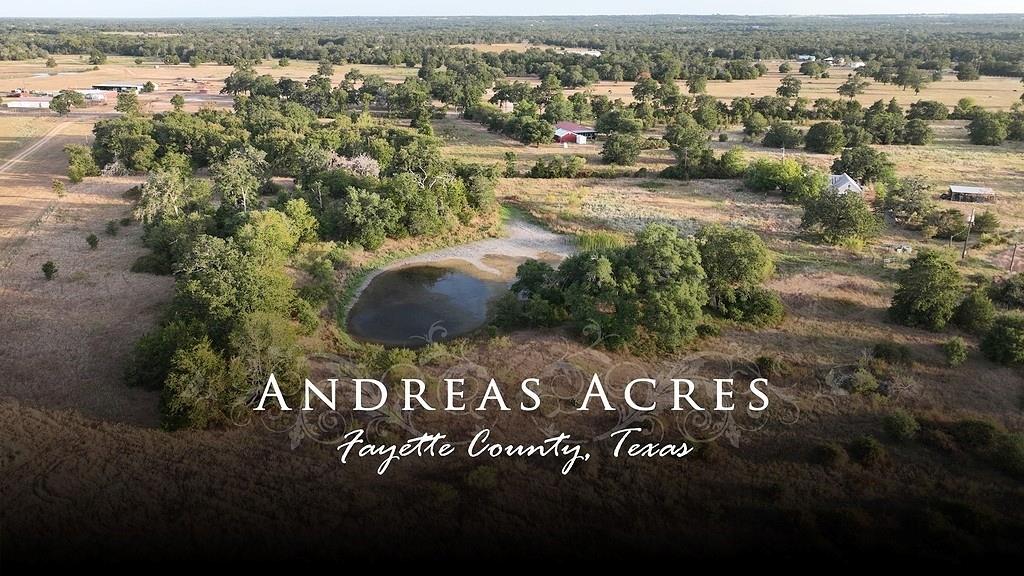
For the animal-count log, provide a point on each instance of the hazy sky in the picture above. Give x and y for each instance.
(181, 8)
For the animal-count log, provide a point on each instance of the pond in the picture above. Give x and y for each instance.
(415, 304)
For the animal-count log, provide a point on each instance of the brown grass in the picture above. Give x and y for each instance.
(989, 92)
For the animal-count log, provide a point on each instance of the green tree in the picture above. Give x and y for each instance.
(853, 86)
(303, 221)
(65, 100)
(782, 135)
(92, 241)
(178, 102)
(825, 138)
(864, 164)
(987, 129)
(789, 87)
(325, 68)
(735, 261)
(239, 177)
(836, 217)
(202, 387)
(927, 292)
(697, 84)
(918, 133)
(127, 103)
(967, 71)
(956, 351)
(1004, 343)
(51, 62)
(80, 162)
(623, 149)
(148, 87)
(755, 124)
(976, 312)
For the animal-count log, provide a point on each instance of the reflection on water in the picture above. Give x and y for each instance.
(399, 306)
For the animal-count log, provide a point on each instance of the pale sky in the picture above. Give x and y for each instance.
(213, 8)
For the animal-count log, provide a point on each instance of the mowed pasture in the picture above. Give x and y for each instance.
(991, 92)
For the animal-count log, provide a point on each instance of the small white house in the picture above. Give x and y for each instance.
(843, 183)
(806, 58)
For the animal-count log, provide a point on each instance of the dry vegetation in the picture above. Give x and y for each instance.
(75, 72)
(991, 92)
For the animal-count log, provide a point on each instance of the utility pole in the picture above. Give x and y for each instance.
(967, 237)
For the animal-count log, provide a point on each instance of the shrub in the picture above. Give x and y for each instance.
(80, 162)
(782, 135)
(483, 478)
(975, 313)
(1010, 291)
(723, 137)
(92, 241)
(839, 218)
(826, 138)
(892, 353)
(158, 263)
(901, 426)
(956, 351)
(1004, 343)
(771, 366)
(868, 451)
(830, 455)
(928, 292)
(557, 167)
(751, 304)
(49, 269)
(111, 228)
(863, 382)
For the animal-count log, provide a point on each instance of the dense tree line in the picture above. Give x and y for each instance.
(678, 46)
(651, 296)
(228, 239)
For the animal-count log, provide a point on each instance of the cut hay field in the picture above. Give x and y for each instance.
(16, 131)
(989, 92)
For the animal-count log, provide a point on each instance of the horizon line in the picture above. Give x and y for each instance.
(442, 16)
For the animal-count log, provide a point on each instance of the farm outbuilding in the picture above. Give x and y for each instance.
(28, 103)
(971, 194)
(570, 132)
(119, 87)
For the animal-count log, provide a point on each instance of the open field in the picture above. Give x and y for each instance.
(75, 333)
(75, 72)
(835, 298)
(472, 142)
(990, 92)
(18, 130)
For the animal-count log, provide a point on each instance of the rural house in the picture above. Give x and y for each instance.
(843, 183)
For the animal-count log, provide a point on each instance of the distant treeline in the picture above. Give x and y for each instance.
(631, 46)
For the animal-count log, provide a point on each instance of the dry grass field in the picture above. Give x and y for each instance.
(75, 72)
(74, 333)
(835, 297)
(989, 92)
(472, 142)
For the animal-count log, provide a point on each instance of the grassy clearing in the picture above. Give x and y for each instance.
(17, 131)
